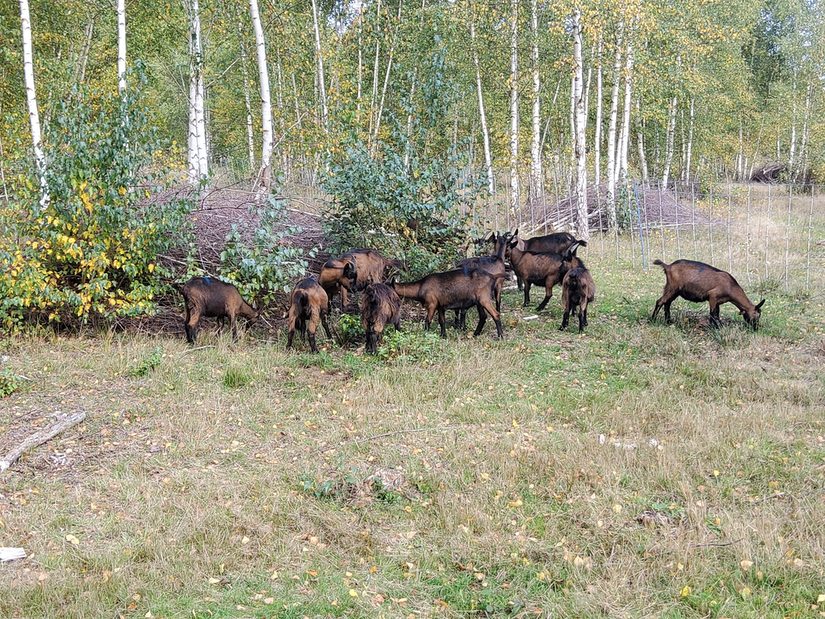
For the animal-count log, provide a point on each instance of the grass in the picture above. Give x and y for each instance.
(638, 470)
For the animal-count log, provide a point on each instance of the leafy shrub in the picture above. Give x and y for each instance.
(9, 383)
(147, 364)
(411, 346)
(91, 249)
(350, 329)
(264, 265)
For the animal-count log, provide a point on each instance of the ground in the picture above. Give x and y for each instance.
(637, 470)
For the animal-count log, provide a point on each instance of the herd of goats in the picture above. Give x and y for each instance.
(475, 282)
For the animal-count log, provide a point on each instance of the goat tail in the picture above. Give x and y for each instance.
(658, 262)
(301, 301)
(581, 243)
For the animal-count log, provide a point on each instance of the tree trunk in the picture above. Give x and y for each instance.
(740, 155)
(375, 72)
(536, 174)
(582, 224)
(387, 75)
(611, 132)
(320, 64)
(515, 187)
(640, 140)
(597, 139)
(83, 60)
(689, 147)
(250, 136)
(792, 147)
(266, 107)
(669, 139)
(628, 97)
(360, 78)
(121, 47)
(31, 101)
(803, 147)
(485, 132)
(198, 163)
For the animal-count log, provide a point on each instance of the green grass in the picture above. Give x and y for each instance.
(467, 477)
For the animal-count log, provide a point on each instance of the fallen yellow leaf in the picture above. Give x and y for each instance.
(72, 539)
(685, 592)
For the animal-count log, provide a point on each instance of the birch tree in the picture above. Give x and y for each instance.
(485, 133)
(121, 47)
(597, 138)
(320, 64)
(689, 147)
(536, 174)
(197, 154)
(31, 101)
(628, 94)
(266, 108)
(582, 224)
(611, 132)
(669, 139)
(515, 186)
(250, 134)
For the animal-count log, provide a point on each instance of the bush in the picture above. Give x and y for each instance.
(9, 383)
(91, 249)
(147, 364)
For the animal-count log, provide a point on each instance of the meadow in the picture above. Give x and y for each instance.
(637, 470)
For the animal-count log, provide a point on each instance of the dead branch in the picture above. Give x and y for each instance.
(41, 436)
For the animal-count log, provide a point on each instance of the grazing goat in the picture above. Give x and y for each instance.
(494, 265)
(211, 298)
(699, 282)
(578, 289)
(380, 306)
(542, 269)
(556, 243)
(456, 289)
(308, 305)
(367, 267)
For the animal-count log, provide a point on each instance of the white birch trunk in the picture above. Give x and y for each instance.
(669, 139)
(582, 224)
(536, 174)
(803, 147)
(266, 107)
(689, 147)
(320, 64)
(597, 138)
(628, 97)
(380, 112)
(121, 47)
(611, 132)
(792, 147)
(640, 140)
(375, 71)
(740, 155)
(515, 186)
(31, 101)
(198, 165)
(360, 78)
(250, 136)
(485, 132)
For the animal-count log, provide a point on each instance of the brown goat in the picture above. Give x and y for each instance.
(308, 305)
(494, 265)
(380, 306)
(368, 267)
(211, 298)
(542, 269)
(456, 289)
(699, 282)
(555, 243)
(578, 289)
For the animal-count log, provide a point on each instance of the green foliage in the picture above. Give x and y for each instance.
(264, 264)
(147, 364)
(9, 383)
(90, 250)
(411, 346)
(350, 329)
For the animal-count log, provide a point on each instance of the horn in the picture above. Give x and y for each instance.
(760, 304)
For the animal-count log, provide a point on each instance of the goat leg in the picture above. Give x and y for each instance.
(581, 319)
(442, 322)
(482, 319)
(565, 319)
(325, 325)
(289, 338)
(527, 286)
(312, 345)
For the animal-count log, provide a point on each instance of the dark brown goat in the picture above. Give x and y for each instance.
(542, 269)
(699, 282)
(456, 289)
(578, 289)
(368, 267)
(308, 305)
(555, 243)
(494, 265)
(211, 298)
(380, 306)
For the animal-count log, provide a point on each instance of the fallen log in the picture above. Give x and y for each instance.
(64, 422)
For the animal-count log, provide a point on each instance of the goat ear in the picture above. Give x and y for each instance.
(760, 304)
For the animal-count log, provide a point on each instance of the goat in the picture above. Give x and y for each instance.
(578, 289)
(367, 267)
(211, 298)
(456, 289)
(555, 243)
(308, 305)
(494, 265)
(380, 306)
(699, 282)
(542, 269)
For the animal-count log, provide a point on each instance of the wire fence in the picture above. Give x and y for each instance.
(772, 235)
